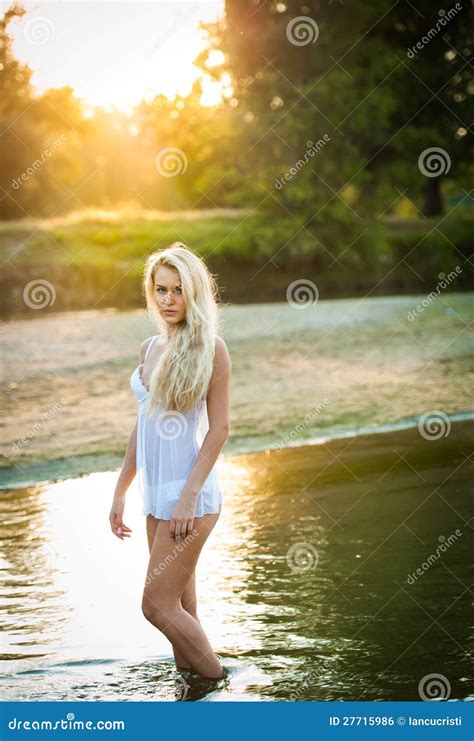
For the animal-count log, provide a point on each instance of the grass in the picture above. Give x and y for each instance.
(96, 259)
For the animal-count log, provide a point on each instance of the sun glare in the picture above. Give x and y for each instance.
(114, 55)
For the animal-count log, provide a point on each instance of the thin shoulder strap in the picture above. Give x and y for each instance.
(149, 345)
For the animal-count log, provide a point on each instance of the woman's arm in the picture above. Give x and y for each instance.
(125, 478)
(117, 525)
(127, 474)
(218, 410)
(128, 471)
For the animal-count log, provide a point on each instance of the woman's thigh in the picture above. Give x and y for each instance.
(151, 525)
(172, 564)
(188, 598)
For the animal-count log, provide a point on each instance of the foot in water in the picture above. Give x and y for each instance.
(191, 686)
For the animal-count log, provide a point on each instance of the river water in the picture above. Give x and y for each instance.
(338, 570)
(305, 586)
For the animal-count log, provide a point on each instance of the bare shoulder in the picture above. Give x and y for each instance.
(222, 356)
(221, 347)
(143, 347)
(220, 381)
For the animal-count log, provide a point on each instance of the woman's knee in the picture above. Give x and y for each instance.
(157, 610)
(190, 605)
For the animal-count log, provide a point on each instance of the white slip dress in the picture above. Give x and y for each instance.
(168, 444)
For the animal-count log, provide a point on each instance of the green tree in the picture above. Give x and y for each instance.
(302, 72)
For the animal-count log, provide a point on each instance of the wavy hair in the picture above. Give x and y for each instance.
(181, 377)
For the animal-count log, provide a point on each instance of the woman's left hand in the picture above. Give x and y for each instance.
(182, 519)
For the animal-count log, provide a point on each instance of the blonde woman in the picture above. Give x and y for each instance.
(182, 385)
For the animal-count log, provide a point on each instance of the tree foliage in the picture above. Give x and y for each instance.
(325, 130)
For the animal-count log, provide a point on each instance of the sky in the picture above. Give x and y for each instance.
(114, 53)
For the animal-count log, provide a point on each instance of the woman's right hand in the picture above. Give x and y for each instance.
(116, 518)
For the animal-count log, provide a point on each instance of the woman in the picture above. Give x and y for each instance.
(182, 386)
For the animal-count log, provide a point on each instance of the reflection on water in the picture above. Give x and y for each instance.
(302, 585)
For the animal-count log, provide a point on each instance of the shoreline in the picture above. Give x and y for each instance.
(342, 368)
(79, 466)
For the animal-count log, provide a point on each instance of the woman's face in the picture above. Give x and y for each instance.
(168, 295)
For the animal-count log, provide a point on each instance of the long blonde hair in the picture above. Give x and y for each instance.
(181, 377)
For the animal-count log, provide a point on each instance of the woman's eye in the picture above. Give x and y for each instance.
(160, 290)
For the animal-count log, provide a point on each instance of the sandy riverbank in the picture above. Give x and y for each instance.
(341, 365)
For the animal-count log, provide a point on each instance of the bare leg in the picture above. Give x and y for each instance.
(188, 598)
(169, 570)
(188, 603)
